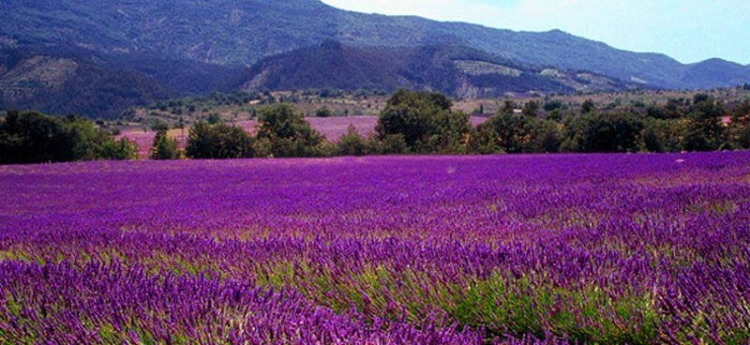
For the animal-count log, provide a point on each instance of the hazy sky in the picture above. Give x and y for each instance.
(687, 30)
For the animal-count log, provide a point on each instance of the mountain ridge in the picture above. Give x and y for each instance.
(454, 70)
(194, 46)
(230, 32)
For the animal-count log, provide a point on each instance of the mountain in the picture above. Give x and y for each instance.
(715, 70)
(64, 79)
(190, 46)
(451, 69)
(71, 84)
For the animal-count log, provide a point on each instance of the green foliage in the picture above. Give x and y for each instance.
(705, 131)
(552, 105)
(213, 118)
(513, 133)
(158, 125)
(739, 131)
(603, 132)
(664, 135)
(675, 109)
(351, 144)
(287, 134)
(122, 149)
(164, 148)
(530, 109)
(588, 106)
(219, 141)
(323, 112)
(32, 137)
(391, 144)
(425, 122)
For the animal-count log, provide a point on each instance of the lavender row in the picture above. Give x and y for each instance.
(105, 304)
(610, 249)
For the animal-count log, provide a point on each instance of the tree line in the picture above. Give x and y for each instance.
(32, 137)
(416, 122)
(412, 122)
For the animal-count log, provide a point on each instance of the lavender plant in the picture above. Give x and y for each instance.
(596, 249)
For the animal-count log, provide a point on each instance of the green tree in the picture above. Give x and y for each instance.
(219, 141)
(603, 132)
(164, 147)
(122, 149)
(424, 120)
(323, 112)
(516, 133)
(351, 144)
(706, 131)
(739, 127)
(157, 125)
(32, 137)
(213, 119)
(531, 109)
(664, 135)
(391, 144)
(288, 133)
(450, 133)
(588, 106)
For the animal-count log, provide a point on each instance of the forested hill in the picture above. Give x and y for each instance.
(188, 46)
(245, 31)
(451, 69)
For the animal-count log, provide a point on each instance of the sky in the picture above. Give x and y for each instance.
(687, 30)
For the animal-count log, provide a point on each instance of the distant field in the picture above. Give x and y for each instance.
(571, 249)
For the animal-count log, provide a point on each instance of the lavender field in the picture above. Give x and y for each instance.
(560, 249)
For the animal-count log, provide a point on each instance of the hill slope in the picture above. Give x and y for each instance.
(242, 32)
(450, 69)
(195, 46)
(722, 71)
(61, 79)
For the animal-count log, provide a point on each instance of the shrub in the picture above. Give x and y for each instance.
(164, 147)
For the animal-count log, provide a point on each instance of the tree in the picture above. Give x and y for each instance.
(288, 134)
(163, 147)
(664, 135)
(588, 106)
(122, 149)
(424, 120)
(157, 125)
(351, 144)
(530, 109)
(450, 131)
(32, 137)
(706, 132)
(219, 141)
(508, 108)
(739, 129)
(213, 119)
(553, 104)
(512, 133)
(323, 112)
(508, 130)
(603, 132)
(391, 144)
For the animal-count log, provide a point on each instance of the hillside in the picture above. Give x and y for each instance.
(65, 80)
(66, 84)
(189, 47)
(451, 69)
(229, 32)
(727, 73)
